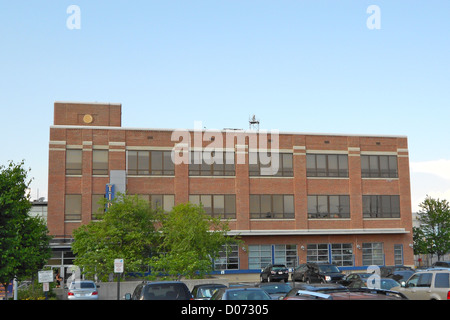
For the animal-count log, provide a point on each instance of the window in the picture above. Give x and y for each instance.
(271, 206)
(342, 254)
(327, 165)
(398, 254)
(442, 280)
(228, 258)
(100, 162)
(74, 161)
(328, 207)
(97, 208)
(421, 280)
(72, 210)
(163, 201)
(159, 201)
(374, 166)
(372, 254)
(259, 256)
(285, 254)
(317, 253)
(285, 165)
(376, 206)
(216, 205)
(221, 163)
(150, 163)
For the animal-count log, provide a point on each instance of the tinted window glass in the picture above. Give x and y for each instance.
(442, 280)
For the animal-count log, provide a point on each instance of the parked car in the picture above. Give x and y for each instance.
(333, 291)
(161, 290)
(275, 290)
(441, 264)
(82, 290)
(241, 293)
(205, 291)
(274, 272)
(346, 295)
(359, 280)
(317, 273)
(431, 284)
(317, 287)
(398, 273)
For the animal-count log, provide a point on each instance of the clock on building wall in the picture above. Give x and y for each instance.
(88, 118)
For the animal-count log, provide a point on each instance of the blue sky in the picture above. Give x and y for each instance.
(304, 66)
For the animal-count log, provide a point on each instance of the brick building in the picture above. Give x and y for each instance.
(339, 198)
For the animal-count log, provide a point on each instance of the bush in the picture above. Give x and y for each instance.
(34, 291)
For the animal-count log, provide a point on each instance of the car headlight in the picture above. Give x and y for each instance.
(327, 278)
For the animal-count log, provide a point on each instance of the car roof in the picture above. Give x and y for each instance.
(221, 285)
(163, 282)
(240, 288)
(434, 269)
(262, 284)
(319, 286)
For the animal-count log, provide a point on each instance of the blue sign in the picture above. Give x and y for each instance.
(109, 194)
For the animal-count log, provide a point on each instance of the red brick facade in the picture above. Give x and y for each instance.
(87, 127)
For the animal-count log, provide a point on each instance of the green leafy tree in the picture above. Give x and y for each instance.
(24, 240)
(126, 231)
(433, 235)
(190, 239)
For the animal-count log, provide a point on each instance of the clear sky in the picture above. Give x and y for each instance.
(298, 65)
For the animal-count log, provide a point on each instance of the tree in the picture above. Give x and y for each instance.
(24, 240)
(190, 239)
(433, 235)
(126, 231)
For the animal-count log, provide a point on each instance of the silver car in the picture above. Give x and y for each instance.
(82, 290)
(431, 284)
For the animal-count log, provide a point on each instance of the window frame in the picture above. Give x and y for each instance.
(320, 213)
(76, 167)
(99, 167)
(254, 169)
(229, 204)
(374, 206)
(68, 215)
(371, 166)
(214, 169)
(313, 170)
(145, 162)
(373, 253)
(267, 200)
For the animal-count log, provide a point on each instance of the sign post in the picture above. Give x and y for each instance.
(118, 268)
(45, 277)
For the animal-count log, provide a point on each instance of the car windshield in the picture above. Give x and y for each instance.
(82, 285)
(278, 268)
(247, 295)
(387, 284)
(328, 268)
(276, 288)
(164, 291)
(206, 292)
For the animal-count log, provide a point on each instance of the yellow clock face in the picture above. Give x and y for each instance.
(87, 118)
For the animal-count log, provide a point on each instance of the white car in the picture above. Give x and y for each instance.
(431, 284)
(82, 290)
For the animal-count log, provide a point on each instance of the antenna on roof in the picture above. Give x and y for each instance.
(253, 123)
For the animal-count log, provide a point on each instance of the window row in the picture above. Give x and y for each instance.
(216, 205)
(341, 254)
(268, 206)
(223, 164)
(326, 207)
(261, 206)
(74, 160)
(72, 210)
